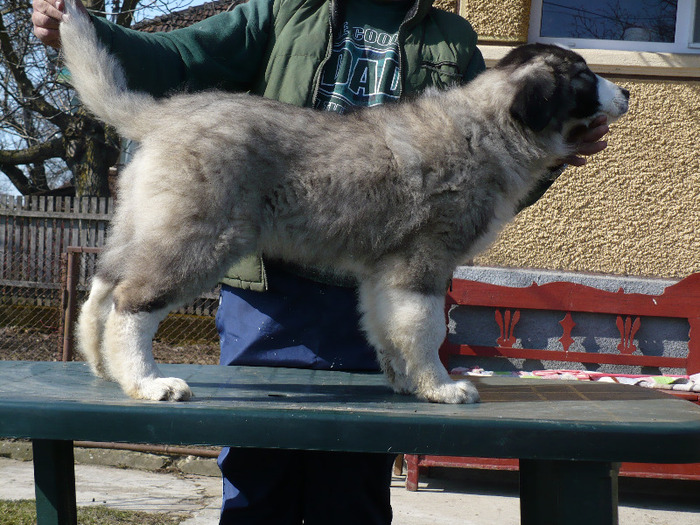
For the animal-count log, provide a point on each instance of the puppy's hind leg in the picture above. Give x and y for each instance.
(129, 356)
(410, 326)
(91, 324)
(161, 272)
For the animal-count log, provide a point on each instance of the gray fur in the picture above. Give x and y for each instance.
(396, 196)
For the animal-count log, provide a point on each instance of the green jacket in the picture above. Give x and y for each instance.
(277, 49)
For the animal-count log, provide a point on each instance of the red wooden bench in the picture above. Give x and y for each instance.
(511, 306)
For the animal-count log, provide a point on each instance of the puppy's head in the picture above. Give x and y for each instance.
(555, 87)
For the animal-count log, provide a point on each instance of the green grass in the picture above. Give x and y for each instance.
(23, 512)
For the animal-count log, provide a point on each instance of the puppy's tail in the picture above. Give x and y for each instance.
(98, 77)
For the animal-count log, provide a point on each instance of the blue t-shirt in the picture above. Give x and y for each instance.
(363, 69)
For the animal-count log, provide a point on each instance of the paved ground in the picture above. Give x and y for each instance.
(451, 499)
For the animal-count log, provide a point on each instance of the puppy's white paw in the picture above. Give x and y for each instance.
(162, 389)
(452, 392)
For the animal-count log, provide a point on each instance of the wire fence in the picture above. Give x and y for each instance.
(38, 235)
(29, 314)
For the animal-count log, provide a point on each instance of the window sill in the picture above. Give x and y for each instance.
(632, 63)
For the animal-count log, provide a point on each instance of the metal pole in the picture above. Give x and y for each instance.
(71, 289)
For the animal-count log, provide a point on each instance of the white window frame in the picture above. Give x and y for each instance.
(685, 19)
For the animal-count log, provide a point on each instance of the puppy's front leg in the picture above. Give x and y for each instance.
(407, 328)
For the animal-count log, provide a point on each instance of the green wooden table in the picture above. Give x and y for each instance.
(568, 435)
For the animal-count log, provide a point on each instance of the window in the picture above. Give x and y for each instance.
(669, 26)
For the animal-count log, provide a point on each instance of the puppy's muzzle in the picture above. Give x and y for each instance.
(613, 99)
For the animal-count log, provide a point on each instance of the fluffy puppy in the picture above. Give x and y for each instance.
(395, 196)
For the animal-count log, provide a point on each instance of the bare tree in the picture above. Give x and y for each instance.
(610, 21)
(46, 139)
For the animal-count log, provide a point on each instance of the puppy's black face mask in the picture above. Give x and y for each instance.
(563, 88)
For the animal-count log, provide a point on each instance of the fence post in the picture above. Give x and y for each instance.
(63, 262)
(70, 292)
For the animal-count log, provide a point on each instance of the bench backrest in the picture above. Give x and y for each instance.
(681, 301)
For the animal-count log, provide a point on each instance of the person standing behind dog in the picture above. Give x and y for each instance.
(331, 55)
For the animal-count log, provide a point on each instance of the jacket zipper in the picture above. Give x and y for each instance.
(322, 65)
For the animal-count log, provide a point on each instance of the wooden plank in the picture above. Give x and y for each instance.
(570, 357)
(34, 255)
(22, 254)
(106, 205)
(92, 240)
(30, 284)
(4, 220)
(17, 240)
(12, 240)
(53, 273)
(101, 225)
(84, 205)
(679, 300)
(9, 239)
(74, 238)
(419, 463)
(693, 365)
(41, 243)
(66, 204)
(44, 214)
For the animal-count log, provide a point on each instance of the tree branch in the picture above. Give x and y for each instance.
(29, 93)
(33, 154)
(17, 178)
(126, 13)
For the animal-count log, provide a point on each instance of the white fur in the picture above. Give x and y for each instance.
(612, 102)
(128, 359)
(402, 324)
(93, 316)
(116, 345)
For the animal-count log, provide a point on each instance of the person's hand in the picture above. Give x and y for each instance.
(46, 17)
(587, 141)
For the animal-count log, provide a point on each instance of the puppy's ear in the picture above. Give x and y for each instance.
(537, 101)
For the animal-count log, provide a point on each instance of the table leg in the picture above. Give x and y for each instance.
(54, 482)
(568, 493)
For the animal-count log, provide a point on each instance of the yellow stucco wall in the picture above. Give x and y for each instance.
(447, 5)
(502, 20)
(634, 209)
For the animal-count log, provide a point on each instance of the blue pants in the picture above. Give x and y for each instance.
(291, 487)
(304, 324)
